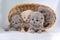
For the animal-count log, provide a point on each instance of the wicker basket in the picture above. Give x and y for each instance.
(22, 7)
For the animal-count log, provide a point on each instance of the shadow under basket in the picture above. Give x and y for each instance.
(34, 7)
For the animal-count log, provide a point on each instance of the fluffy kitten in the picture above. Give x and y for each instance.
(16, 22)
(36, 22)
(25, 17)
(48, 15)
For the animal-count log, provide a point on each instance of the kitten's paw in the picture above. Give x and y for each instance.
(43, 30)
(31, 31)
(6, 29)
(39, 31)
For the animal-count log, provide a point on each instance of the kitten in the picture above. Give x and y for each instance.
(16, 22)
(48, 15)
(25, 17)
(36, 22)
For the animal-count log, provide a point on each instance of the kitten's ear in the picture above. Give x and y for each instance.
(42, 9)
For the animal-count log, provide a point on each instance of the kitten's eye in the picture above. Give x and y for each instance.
(12, 21)
(24, 17)
(36, 20)
(41, 18)
(32, 19)
(15, 23)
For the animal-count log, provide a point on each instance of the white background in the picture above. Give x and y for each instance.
(52, 34)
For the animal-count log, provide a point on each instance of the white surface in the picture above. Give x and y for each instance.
(29, 36)
(52, 34)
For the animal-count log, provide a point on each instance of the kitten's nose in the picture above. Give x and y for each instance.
(34, 22)
(27, 20)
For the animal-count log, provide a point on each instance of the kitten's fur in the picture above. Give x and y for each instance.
(48, 15)
(25, 17)
(36, 22)
(16, 22)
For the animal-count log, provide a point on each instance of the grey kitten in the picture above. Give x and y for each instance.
(16, 22)
(36, 22)
(48, 15)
